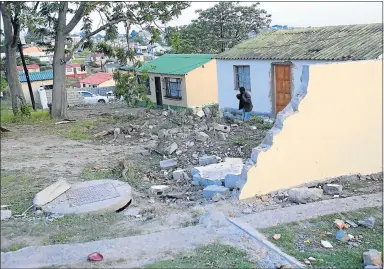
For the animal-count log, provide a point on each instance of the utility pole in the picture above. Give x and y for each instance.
(20, 45)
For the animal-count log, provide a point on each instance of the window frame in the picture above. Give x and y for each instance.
(237, 80)
(168, 92)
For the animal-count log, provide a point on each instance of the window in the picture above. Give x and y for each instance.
(86, 94)
(48, 87)
(242, 77)
(94, 86)
(139, 80)
(84, 85)
(173, 88)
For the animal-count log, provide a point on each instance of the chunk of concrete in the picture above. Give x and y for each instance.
(200, 113)
(333, 189)
(368, 222)
(51, 192)
(159, 189)
(372, 257)
(95, 196)
(206, 160)
(168, 163)
(171, 148)
(178, 174)
(6, 214)
(207, 112)
(210, 191)
(304, 195)
(163, 133)
(222, 128)
(222, 136)
(201, 136)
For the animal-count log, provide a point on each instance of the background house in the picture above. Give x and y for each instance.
(270, 65)
(98, 58)
(30, 67)
(111, 67)
(38, 52)
(37, 79)
(184, 80)
(75, 71)
(98, 80)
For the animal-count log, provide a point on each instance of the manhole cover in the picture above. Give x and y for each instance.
(91, 194)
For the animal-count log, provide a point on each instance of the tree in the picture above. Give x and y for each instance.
(28, 60)
(223, 26)
(53, 22)
(14, 18)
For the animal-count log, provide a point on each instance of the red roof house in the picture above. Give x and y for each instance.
(74, 71)
(98, 80)
(30, 67)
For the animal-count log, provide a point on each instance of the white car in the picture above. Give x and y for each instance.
(91, 98)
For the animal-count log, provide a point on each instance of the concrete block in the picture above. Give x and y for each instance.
(206, 160)
(159, 189)
(6, 214)
(201, 136)
(168, 163)
(216, 174)
(222, 128)
(178, 174)
(51, 192)
(333, 189)
(210, 191)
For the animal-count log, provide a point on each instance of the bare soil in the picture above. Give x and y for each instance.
(35, 156)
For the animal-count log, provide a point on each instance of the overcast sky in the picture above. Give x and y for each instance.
(299, 14)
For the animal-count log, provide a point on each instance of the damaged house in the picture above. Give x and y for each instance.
(270, 65)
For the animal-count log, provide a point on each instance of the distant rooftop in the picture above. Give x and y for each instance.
(97, 78)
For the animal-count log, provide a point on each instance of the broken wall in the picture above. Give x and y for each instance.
(332, 127)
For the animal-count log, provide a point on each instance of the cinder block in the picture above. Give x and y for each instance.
(210, 191)
(206, 160)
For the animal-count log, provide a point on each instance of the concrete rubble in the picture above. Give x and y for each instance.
(373, 257)
(333, 189)
(211, 190)
(51, 192)
(206, 160)
(6, 214)
(304, 195)
(222, 128)
(368, 222)
(168, 163)
(159, 189)
(201, 136)
(178, 174)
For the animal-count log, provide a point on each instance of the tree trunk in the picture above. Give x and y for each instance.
(17, 94)
(59, 92)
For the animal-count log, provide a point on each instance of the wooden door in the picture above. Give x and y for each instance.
(282, 86)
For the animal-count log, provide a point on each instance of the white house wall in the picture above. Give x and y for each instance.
(260, 71)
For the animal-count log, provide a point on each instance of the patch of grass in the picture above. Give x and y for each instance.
(266, 126)
(78, 131)
(241, 140)
(256, 120)
(38, 116)
(342, 255)
(210, 256)
(16, 247)
(91, 174)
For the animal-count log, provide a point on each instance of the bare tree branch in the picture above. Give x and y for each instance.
(76, 18)
(36, 6)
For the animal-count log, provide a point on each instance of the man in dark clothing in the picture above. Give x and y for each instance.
(245, 103)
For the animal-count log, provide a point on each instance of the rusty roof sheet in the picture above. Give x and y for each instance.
(349, 42)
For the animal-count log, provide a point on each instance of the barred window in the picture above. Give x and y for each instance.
(173, 88)
(242, 77)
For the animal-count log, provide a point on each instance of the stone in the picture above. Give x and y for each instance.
(253, 128)
(308, 262)
(341, 235)
(132, 211)
(351, 223)
(178, 174)
(234, 125)
(248, 210)
(201, 136)
(190, 143)
(206, 160)
(168, 163)
(51, 192)
(145, 153)
(372, 257)
(171, 148)
(217, 197)
(207, 112)
(276, 236)
(200, 113)
(159, 189)
(178, 152)
(222, 128)
(333, 189)
(304, 195)
(6, 214)
(211, 190)
(95, 196)
(165, 113)
(162, 133)
(222, 136)
(311, 259)
(39, 212)
(326, 244)
(185, 176)
(368, 222)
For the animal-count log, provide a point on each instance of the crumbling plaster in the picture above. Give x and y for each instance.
(332, 127)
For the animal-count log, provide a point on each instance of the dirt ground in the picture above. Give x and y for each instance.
(35, 156)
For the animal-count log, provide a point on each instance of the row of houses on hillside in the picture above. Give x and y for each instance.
(268, 66)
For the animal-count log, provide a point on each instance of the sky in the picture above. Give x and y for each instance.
(297, 14)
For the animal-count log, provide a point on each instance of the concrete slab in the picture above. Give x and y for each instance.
(210, 191)
(51, 192)
(94, 196)
(168, 163)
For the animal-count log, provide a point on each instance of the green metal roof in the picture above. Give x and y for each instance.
(350, 42)
(37, 76)
(174, 64)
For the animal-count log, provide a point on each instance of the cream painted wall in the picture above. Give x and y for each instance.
(201, 85)
(167, 101)
(108, 83)
(35, 86)
(337, 131)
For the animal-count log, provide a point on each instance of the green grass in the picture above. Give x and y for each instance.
(91, 174)
(77, 131)
(38, 116)
(210, 256)
(315, 230)
(78, 60)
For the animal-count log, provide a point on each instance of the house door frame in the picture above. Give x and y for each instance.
(159, 96)
(273, 83)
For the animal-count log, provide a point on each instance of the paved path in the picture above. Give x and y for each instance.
(270, 218)
(144, 249)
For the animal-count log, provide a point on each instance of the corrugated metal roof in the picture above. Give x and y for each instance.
(37, 76)
(350, 42)
(175, 64)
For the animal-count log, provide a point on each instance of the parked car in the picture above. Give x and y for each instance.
(91, 98)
